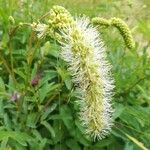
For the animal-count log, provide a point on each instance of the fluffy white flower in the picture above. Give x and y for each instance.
(41, 29)
(86, 56)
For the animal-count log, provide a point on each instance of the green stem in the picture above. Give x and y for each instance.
(7, 67)
(44, 16)
(11, 58)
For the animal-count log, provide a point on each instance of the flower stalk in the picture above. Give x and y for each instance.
(86, 56)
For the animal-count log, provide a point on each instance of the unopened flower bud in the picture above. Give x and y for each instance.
(11, 20)
(35, 80)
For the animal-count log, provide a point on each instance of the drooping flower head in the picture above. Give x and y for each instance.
(120, 25)
(125, 31)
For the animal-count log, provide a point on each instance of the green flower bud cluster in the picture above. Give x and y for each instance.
(11, 20)
(120, 25)
(59, 18)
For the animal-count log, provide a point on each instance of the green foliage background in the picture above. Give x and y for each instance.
(45, 116)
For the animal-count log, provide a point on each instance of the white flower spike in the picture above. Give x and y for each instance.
(86, 56)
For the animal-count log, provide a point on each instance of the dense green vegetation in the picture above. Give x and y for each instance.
(37, 97)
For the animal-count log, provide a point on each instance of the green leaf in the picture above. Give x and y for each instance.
(2, 85)
(48, 111)
(47, 89)
(47, 77)
(119, 108)
(80, 137)
(7, 121)
(138, 143)
(46, 48)
(128, 146)
(66, 116)
(32, 120)
(37, 134)
(20, 73)
(4, 144)
(104, 142)
(21, 138)
(1, 108)
(72, 144)
(44, 90)
(38, 145)
(141, 114)
(68, 82)
(34, 71)
(78, 124)
(49, 128)
(54, 51)
(129, 119)
(11, 85)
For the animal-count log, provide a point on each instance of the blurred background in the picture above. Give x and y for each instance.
(131, 68)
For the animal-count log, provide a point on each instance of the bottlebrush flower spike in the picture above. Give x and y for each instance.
(86, 56)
